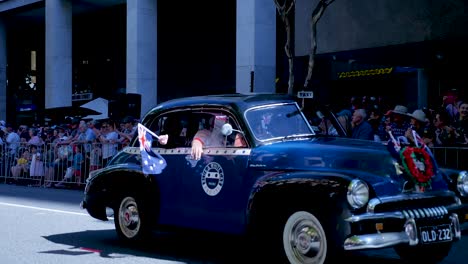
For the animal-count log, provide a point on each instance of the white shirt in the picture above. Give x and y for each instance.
(109, 149)
(13, 141)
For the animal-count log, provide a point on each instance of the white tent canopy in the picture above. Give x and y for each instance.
(100, 105)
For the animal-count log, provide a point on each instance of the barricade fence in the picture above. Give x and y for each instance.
(451, 157)
(69, 165)
(49, 165)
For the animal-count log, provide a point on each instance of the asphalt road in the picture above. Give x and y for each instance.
(47, 226)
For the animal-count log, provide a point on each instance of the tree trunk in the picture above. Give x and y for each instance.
(283, 12)
(315, 17)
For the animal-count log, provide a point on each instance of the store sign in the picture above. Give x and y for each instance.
(26, 107)
(305, 94)
(362, 73)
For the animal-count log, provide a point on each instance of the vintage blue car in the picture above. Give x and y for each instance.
(303, 196)
(329, 124)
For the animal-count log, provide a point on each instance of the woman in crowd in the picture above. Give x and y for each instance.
(461, 125)
(444, 134)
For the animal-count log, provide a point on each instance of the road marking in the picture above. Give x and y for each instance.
(43, 209)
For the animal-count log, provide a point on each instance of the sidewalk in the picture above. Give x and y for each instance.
(8, 181)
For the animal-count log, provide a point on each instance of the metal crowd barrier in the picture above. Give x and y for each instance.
(50, 167)
(451, 157)
(54, 160)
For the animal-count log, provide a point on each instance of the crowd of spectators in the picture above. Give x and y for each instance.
(63, 151)
(443, 126)
(75, 147)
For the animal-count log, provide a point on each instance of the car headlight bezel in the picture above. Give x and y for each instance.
(358, 194)
(462, 183)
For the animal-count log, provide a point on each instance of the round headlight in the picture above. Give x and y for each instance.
(462, 183)
(358, 194)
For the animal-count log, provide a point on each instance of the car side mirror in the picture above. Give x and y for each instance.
(227, 130)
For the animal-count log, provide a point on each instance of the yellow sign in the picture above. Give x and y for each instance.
(362, 73)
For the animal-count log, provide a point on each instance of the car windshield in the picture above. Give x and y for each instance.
(277, 121)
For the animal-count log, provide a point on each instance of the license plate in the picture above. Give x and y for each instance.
(434, 234)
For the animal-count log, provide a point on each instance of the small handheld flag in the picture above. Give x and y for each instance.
(152, 162)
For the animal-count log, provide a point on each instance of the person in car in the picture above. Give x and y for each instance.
(212, 137)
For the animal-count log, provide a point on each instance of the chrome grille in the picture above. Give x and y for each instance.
(425, 212)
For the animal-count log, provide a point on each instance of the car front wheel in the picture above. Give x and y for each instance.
(129, 219)
(304, 239)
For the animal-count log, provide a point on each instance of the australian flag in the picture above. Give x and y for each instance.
(151, 162)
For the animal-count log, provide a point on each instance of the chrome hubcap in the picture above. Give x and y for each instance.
(129, 219)
(305, 240)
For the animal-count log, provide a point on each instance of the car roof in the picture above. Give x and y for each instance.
(238, 101)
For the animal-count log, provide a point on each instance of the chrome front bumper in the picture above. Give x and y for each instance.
(409, 236)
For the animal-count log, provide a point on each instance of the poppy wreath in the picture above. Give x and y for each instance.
(409, 157)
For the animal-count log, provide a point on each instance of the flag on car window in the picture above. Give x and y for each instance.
(151, 162)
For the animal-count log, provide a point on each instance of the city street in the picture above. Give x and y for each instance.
(47, 226)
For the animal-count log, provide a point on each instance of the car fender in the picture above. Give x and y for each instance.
(312, 189)
(115, 180)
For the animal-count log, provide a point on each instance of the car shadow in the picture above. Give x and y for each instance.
(188, 247)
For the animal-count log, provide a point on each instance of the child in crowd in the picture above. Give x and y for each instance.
(95, 157)
(22, 165)
(74, 169)
(78, 160)
(36, 169)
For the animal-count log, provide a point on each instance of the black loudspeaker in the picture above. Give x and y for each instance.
(134, 105)
(125, 105)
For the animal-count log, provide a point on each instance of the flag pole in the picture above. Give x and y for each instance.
(149, 131)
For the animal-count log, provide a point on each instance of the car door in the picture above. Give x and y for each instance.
(212, 187)
(169, 182)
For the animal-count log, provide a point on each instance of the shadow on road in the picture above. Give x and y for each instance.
(187, 247)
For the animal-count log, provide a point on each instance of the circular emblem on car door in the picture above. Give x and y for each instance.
(212, 179)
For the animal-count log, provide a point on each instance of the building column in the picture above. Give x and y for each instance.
(256, 46)
(3, 66)
(422, 89)
(58, 53)
(142, 51)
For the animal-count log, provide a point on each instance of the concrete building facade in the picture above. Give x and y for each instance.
(54, 53)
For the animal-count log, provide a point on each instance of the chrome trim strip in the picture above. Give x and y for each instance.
(427, 212)
(374, 202)
(421, 212)
(456, 227)
(186, 151)
(405, 213)
(367, 216)
(373, 241)
(415, 213)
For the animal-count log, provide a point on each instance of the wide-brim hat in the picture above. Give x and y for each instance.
(418, 115)
(399, 109)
